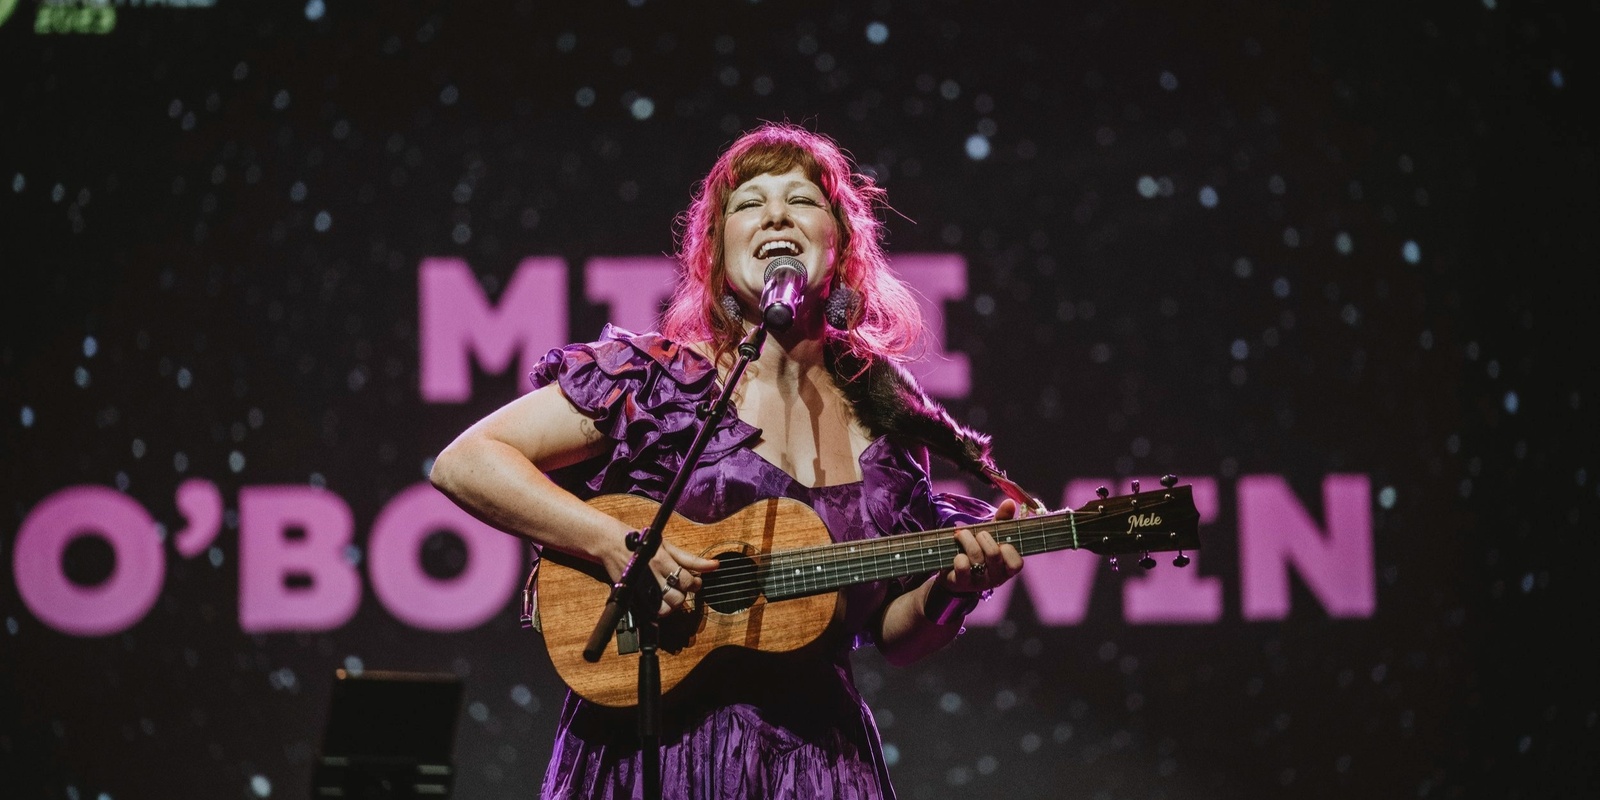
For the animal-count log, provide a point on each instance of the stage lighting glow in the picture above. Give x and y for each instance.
(1411, 252)
(977, 147)
(522, 696)
(877, 32)
(1386, 497)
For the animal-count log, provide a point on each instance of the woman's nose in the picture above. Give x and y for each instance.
(776, 215)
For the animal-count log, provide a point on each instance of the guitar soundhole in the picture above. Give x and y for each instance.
(735, 585)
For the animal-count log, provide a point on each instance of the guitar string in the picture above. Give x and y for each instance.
(785, 576)
(798, 569)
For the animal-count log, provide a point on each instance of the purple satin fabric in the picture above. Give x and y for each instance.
(744, 725)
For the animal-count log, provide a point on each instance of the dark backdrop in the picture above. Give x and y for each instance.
(1394, 279)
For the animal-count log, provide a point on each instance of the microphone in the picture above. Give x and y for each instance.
(786, 288)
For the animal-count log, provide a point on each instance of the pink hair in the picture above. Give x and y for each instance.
(888, 323)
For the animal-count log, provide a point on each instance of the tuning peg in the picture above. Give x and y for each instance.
(1135, 487)
(1181, 560)
(1169, 480)
(1147, 562)
(1103, 492)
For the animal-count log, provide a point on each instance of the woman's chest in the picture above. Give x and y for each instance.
(811, 434)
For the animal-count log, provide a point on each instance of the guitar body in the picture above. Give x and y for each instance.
(572, 593)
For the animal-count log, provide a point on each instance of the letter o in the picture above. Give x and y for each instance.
(113, 605)
(494, 561)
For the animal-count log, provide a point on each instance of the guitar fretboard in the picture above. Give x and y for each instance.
(1162, 521)
(797, 573)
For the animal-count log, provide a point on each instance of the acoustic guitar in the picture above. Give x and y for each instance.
(778, 585)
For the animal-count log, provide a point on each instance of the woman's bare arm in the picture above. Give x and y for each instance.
(906, 632)
(496, 471)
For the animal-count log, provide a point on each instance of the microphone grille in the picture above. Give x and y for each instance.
(784, 262)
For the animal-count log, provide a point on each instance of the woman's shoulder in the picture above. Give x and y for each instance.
(619, 352)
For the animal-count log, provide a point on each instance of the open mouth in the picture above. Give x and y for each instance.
(778, 247)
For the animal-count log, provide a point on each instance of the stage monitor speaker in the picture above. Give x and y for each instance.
(389, 736)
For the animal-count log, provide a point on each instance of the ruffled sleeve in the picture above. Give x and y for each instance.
(642, 390)
(899, 496)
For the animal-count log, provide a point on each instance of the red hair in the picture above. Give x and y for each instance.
(888, 323)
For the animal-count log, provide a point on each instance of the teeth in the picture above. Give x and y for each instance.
(783, 245)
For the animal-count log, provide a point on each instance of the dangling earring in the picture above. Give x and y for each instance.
(842, 308)
(730, 306)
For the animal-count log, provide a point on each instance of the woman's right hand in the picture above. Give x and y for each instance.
(677, 571)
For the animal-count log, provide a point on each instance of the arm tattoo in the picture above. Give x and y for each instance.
(590, 433)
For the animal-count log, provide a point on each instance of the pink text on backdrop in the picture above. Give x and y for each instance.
(458, 324)
(301, 563)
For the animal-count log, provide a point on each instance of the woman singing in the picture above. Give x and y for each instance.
(825, 415)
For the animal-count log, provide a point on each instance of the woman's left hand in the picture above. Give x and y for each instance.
(982, 563)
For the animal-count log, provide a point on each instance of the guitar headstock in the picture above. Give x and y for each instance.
(1163, 520)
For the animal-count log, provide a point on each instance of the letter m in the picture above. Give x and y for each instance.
(457, 322)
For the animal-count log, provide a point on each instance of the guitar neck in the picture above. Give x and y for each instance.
(797, 573)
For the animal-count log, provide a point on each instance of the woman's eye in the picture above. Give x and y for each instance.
(802, 199)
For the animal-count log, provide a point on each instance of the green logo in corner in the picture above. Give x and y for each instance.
(6, 7)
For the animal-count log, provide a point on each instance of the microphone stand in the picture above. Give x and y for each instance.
(637, 595)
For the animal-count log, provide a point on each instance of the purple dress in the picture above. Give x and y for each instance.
(768, 725)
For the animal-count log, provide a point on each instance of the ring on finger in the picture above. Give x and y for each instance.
(979, 570)
(672, 580)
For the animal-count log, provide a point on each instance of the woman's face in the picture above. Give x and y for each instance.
(777, 215)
